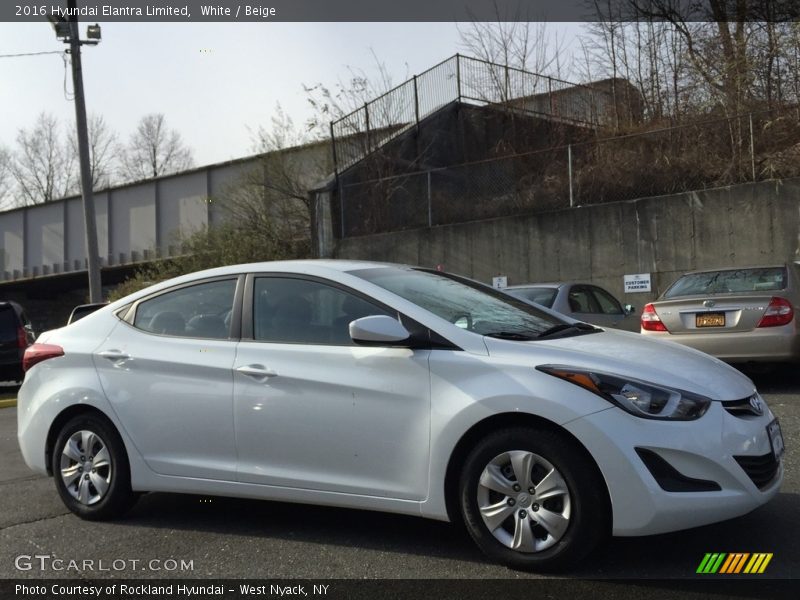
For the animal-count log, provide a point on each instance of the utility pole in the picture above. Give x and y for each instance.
(74, 41)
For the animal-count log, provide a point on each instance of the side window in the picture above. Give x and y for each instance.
(608, 304)
(199, 311)
(581, 301)
(305, 312)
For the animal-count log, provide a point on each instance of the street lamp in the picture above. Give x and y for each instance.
(67, 31)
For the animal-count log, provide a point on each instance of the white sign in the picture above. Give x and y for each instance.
(637, 283)
(500, 282)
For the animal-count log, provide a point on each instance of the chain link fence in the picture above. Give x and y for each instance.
(461, 78)
(749, 147)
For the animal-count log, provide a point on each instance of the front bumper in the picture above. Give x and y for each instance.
(705, 449)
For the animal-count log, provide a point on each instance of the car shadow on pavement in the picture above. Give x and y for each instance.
(771, 528)
(305, 523)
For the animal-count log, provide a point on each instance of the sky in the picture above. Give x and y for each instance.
(216, 83)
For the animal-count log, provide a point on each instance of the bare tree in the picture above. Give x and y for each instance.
(346, 96)
(6, 201)
(276, 191)
(154, 150)
(516, 40)
(103, 147)
(44, 165)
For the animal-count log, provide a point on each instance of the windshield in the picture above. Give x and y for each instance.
(465, 303)
(731, 281)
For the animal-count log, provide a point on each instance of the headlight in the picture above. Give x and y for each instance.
(636, 397)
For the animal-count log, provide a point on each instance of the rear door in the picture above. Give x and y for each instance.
(166, 370)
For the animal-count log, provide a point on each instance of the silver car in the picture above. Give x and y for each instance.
(581, 301)
(737, 315)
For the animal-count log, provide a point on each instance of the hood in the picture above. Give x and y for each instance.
(633, 355)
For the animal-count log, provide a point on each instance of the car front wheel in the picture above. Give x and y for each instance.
(533, 500)
(90, 468)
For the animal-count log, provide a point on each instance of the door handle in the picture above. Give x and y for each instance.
(256, 371)
(114, 355)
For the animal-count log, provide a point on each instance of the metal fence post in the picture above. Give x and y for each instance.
(458, 75)
(752, 149)
(416, 102)
(550, 93)
(341, 207)
(333, 152)
(508, 85)
(569, 174)
(366, 119)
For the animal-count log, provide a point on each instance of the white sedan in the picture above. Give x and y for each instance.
(398, 389)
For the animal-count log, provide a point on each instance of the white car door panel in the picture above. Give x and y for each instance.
(174, 394)
(313, 410)
(335, 418)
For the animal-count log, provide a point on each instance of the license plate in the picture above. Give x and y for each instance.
(710, 320)
(775, 438)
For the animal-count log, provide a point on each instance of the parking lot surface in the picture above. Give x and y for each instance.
(231, 538)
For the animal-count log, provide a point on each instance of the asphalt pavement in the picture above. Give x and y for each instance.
(232, 538)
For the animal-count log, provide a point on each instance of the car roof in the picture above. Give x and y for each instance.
(330, 264)
(744, 268)
(550, 284)
(318, 267)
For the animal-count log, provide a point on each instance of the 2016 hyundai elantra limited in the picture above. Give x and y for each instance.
(397, 389)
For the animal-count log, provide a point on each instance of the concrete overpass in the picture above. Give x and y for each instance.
(42, 247)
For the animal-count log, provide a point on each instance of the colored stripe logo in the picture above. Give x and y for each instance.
(734, 563)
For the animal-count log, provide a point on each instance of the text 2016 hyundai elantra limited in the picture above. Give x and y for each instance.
(397, 389)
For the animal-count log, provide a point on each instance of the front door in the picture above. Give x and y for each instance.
(315, 411)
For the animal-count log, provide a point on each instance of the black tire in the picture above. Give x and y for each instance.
(585, 505)
(117, 498)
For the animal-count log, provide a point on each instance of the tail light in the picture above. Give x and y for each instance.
(36, 353)
(779, 312)
(22, 338)
(650, 320)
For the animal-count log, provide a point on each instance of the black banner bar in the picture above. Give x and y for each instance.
(337, 589)
(394, 10)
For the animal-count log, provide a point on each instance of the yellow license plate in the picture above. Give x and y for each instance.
(710, 320)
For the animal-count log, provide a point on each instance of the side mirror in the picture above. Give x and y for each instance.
(378, 329)
(629, 309)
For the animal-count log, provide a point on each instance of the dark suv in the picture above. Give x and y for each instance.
(15, 335)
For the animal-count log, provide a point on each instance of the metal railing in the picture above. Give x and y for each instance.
(457, 79)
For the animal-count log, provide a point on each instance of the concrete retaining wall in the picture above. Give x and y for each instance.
(741, 225)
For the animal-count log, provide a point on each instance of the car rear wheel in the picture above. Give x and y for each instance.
(91, 470)
(532, 500)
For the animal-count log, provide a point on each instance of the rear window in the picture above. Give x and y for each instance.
(541, 295)
(730, 281)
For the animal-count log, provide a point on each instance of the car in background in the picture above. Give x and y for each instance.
(16, 335)
(82, 310)
(581, 301)
(394, 388)
(738, 315)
